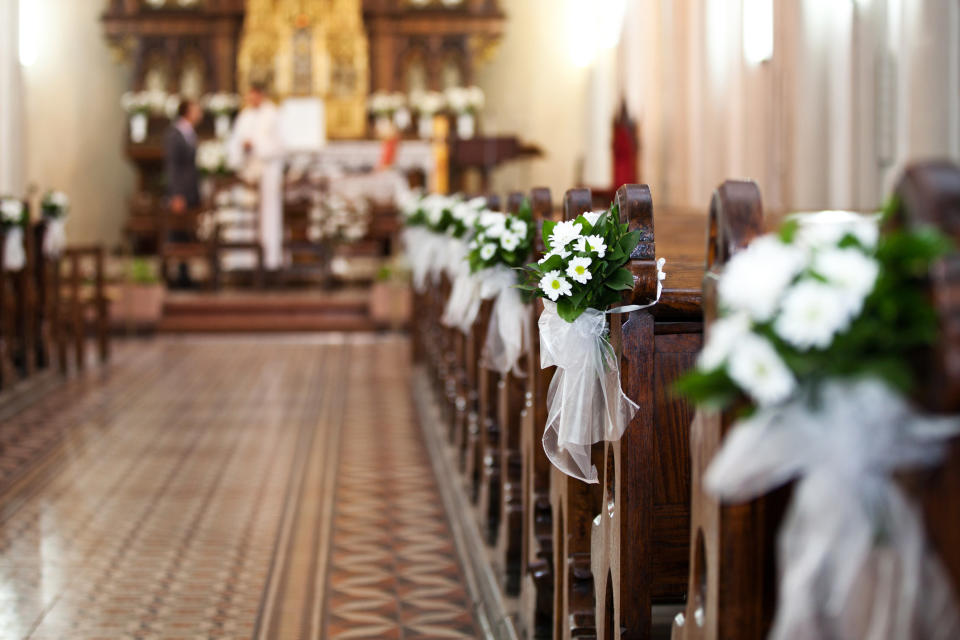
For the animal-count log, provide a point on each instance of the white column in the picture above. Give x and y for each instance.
(601, 85)
(11, 122)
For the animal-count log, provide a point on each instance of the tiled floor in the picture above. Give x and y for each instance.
(227, 488)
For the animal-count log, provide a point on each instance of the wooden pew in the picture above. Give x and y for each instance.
(46, 280)
(536, 586)
(574, 504)
(640, 540)
(929, 193)
(80, 304)
(731, 584)
(17, 302)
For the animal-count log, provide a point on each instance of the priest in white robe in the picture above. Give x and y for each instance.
(255, 151)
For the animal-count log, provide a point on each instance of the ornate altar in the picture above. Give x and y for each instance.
(310, 48)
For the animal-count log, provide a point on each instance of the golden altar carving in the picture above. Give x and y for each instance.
(310, 48)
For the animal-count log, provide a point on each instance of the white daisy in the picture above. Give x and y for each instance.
(509, 241)
(488, 251)
(812, 314)
(579, 270)
(564, 233)
(850, 270)
(593, 216)
(758, 369)
(596, 245)
(519, 227)
(722, 337)
(555, 285)
(827, 228)
(754, 280)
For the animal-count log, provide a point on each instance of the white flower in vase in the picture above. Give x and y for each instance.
(564, 233)
(509, 241)
(755, 279)
(488, 251)
(579, 270)
(555, 285)
(171, 105)
(722, 338)
(756, 367)
(812, 314)
(849, 270)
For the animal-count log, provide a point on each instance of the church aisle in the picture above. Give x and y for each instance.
(228, 488)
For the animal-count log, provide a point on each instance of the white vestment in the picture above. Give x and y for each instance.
(263, 164)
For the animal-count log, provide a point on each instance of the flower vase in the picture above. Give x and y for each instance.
(381, 126)
(138, 127)
(466, 126)
(425, 126)
(222, 126)
(402, 118)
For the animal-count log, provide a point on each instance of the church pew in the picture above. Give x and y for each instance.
(81, 305)
(929, 193)
(18, 300)
(46, 279)
(731, 584)
(536, 561)
(8, 374)
(639, 543)
(574, 504)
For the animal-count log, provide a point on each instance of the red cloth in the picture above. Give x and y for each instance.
(388, 152)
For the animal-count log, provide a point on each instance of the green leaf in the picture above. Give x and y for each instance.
(567, 310)
(620, 280)
(548, 226)
(630, 241)
(788, 231)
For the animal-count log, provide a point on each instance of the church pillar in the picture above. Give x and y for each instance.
(11, 95)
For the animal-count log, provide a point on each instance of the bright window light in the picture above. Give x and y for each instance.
(757, 31)
(29, 32)
(593, 26)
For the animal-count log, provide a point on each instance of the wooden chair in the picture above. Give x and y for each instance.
(80, 305)
(640, 539)
(536, 554)
(177, 251)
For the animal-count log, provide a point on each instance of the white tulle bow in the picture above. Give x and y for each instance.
(425, 253)
(54, 238)
(852, 555)
(585, 402)
(14, 254)
(508, 333)
(464, 301)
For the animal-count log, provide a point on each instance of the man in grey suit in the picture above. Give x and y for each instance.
(183, 182)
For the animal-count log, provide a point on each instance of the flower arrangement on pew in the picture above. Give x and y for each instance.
(581, 275)
(816, 329)
(434, 237)
(13, 218)
(54, 207)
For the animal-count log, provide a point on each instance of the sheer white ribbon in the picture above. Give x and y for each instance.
(54, 238)
(585, 401)
(425, 249)
(14, 254)
(509, 330)
(464, 301)
(852, 555)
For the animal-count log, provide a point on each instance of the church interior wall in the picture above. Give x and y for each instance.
(73, 130)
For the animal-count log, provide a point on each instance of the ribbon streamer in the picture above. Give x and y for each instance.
(425, 250)
(509, 330)
(585, 401)
(852, 555)
(14, 254)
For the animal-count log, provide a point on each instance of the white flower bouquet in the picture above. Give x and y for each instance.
(12, 212)
(384, 103)
(221, 103)
(584, 265)
(55, 205)
(817, 326)
(501, 239)
(13, 219)
(427, 102)
(145, 102)
(212, 158)
(462, 100)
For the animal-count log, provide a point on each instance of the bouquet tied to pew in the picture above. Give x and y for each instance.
(54, 207)
(499, 245)
(580, 276)
(436, 228)
(13, 219)
(817, 326)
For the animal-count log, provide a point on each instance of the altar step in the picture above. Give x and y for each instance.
(294, 311)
